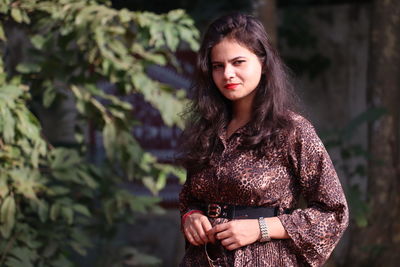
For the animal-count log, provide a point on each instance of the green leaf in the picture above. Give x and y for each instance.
(55, 211)
(151, 56)
(156, 32)
(38, 41)
(81, 237)
(171, 169)
(61, 260)
(58, 190)
(82, 209)
(24, 255)
(161, 181)
(88, 179)
(78, 248)
(68, 214)
(28, 67)
(35, 158)
(175, 15)
(49, 96)
(143, 203)
(43, 210)
(16, 14)
(29, 237)
(150, 184)
(109, 139)
(26, 182)
(50, 249)
(26, 126)
(8, 125)
(7, 216)
(190, 37)
(5, 6)
(64, 158)
(2, 35)
(79, 137)
(4, 190)
(109, 210)
(171, 36)
(124, 15)
(161, 98)
(146, 162)
(11, 92)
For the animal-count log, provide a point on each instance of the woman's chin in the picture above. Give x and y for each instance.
(232, 96)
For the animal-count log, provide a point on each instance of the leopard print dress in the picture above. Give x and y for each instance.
(302, 167)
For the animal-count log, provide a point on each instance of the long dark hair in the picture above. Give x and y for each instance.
(210, 111)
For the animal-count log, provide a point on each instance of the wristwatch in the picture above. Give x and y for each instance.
(264, 230)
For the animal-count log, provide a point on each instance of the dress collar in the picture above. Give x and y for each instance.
(243, 130)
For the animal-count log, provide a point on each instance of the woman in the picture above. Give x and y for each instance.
(250, 157)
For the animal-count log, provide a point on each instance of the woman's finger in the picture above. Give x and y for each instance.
(232, 246)
(196, 239)
(200, 238)
(194, 228)
(190, 236)
(227, 242)
(201, 234)
(206, 225)
(223, 235)
(220, 227)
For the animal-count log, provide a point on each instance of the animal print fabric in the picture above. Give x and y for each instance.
(300, 167)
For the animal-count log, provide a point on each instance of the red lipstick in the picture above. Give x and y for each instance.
(231, 86)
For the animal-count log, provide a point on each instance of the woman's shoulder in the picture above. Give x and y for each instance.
(300, 122)
(303, 129)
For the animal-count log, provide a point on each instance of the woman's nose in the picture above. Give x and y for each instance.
(229, 72)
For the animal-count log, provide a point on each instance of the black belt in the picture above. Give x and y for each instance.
(215, 210)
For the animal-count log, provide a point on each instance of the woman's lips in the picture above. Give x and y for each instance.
(231, 86)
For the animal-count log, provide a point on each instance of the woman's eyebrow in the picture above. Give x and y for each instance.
(230, 60)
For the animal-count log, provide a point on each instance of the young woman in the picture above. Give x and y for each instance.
(250, 157)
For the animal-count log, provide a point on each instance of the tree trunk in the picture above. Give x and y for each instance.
(378, 244)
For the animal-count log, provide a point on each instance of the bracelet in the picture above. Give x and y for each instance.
(184, 217)
(264, 230)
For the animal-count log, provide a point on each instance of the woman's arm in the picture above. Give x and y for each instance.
(194, 224)
(315, 230)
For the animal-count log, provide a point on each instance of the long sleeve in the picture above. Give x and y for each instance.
(186, 200)
(185, 197)
(316, 229)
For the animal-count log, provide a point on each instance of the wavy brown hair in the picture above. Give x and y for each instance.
(210, 111)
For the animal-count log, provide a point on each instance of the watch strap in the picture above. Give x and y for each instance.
(264, 230)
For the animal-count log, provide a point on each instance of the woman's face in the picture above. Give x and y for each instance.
(236, 70)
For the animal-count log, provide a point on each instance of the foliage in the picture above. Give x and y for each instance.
(295, 33)
(201, 11)
(54, 200)
(352, 161)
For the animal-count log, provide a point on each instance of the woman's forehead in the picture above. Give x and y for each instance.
(228, 49)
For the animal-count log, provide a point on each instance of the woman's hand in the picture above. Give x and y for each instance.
(195, 228)
(237, 233)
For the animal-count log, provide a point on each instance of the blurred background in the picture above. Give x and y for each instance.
(91, 94)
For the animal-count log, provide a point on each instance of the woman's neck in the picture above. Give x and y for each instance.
(241, 111)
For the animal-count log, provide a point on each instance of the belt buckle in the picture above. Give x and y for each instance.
(214, 210)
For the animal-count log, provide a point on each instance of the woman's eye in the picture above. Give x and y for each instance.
(216, 67)
(238, 62)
